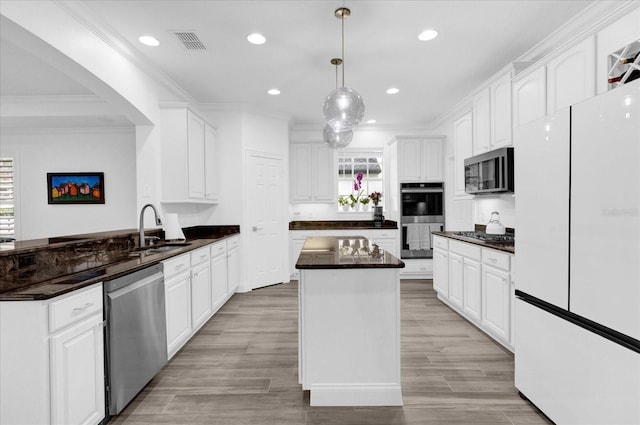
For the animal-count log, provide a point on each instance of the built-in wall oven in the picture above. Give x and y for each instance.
(422, 212)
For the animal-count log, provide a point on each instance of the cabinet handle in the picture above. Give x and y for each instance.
(179, 267)
(203, 257)
(493, 260)
(78, 310)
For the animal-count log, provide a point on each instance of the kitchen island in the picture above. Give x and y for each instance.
(349, 323)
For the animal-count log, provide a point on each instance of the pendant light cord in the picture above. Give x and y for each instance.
(342, 21)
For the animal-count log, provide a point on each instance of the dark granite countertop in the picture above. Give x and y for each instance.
(340, 224)
(197, 237)
(506, 247)
(334, 252)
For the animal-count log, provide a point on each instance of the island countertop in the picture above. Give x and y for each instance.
(340, 252)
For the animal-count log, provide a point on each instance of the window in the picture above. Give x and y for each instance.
(368, 163)
(7, 219)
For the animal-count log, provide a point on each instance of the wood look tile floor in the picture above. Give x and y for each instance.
(241, 368)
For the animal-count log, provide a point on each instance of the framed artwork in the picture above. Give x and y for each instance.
(75, 188)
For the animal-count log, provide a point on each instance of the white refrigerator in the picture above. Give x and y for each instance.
(577, 312)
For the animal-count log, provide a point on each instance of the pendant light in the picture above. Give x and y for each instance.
(336, 139)
(343, 107)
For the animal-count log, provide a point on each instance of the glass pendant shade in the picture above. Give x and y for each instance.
(343, 109)
(336, 140)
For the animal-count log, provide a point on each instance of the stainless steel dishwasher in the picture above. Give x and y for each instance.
(136, 336)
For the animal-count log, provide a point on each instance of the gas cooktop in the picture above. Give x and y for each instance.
(485, 237)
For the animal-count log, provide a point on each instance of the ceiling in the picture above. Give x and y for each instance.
(476, 39)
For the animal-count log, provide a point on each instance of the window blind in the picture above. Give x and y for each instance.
(7, 193)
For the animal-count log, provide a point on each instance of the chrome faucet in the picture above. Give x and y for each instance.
(158, 222)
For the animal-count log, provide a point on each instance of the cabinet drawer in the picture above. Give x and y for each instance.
(496, 259)
(383, 234)
(73, 308)
(442, 243)
(465, 249)
(199, 255)
(218, 248)
(176, 265)
(233, 242)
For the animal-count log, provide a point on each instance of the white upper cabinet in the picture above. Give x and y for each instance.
(482, 122)
(189, 171)
(571, 77)
(211, 180)
(313, 173)
(195, 152)
(419, 159)
(500, 94)
(463, 137)
(492, 114)
(530, 97)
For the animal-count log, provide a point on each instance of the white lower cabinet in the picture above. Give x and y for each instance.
(77, 373)
(233, 264)
(441, 271)
(177, 284)
(496, 302)
(52, 364)
(477, 283)
(201, 309)
(472, 290)
(220, 291)
(456, 272)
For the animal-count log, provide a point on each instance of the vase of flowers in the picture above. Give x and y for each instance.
(378, 218)
(357, 186)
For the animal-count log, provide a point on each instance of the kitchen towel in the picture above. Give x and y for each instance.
(418, 236)
(172, 229)
(413, 236)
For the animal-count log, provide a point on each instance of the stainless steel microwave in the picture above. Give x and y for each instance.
(490, 172)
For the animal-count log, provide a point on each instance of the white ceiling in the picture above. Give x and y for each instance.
(476, 39)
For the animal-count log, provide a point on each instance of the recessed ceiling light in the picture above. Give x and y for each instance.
(256, 38)
(393, 90)
(273, 92)
(371, 121)
(148, 40)
(427, 35)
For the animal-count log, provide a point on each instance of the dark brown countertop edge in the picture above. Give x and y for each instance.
(389, 260)
(509, 248)
(340, 225)
(197, 237)
(399, 265)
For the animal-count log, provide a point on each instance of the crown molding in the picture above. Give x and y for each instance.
(94, 23)
(130, 130)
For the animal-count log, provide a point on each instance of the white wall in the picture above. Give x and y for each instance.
(110, 151)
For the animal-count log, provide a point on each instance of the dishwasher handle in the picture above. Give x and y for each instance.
(130, 288)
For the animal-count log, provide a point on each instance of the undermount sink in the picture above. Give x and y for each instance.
(159, 249)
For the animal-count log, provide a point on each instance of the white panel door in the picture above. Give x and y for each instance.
(200, 294)
(219, 291)
(481, 122)
(542, 208)
(571, 76)
(496, 302)
(501, 112)
(472, 281)
(530, 97)
(463, 139)
(77, 374)
(605, 200)
(409, 160)
(441, 272)
(211, 166)
(456, 279)
(195, 152)
(269, 235)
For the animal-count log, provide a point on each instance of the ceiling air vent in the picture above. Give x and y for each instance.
(189, 40)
